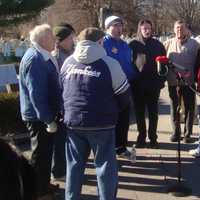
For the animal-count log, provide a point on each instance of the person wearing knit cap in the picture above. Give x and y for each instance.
(64, 47)
(112, 20)
(64, 42)
(69, 26)
(94, 90)
(119, 50)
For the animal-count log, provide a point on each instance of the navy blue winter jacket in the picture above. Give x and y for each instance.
(94, 88)
(40, 94)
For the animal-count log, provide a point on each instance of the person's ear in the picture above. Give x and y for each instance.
(100, 41)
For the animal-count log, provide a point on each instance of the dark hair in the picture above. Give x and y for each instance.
(140, 23)
(17, 177)
(69, 26)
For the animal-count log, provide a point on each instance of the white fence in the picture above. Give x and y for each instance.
(8, 76)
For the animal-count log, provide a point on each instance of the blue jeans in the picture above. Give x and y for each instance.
(79, 143)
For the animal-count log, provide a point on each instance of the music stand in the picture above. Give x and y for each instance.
(179, 189)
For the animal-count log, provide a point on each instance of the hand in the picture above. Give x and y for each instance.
(52, 127)
(59, 117)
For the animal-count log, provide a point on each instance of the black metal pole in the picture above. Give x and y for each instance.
(177, 121)
(179, 189)
(179, 159)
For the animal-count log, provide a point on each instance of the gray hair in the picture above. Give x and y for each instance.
(38, 32)
(180, 22)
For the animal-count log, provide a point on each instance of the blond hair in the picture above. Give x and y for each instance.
(91, 33)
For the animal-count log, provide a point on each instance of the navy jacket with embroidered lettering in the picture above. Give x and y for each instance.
(94, 88)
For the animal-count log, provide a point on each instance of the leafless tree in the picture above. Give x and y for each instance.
(164, 12)
(92, 6)
(188, 10)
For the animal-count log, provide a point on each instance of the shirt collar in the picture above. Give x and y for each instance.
(46, 55)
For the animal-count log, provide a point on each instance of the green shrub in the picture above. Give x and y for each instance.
(10, 118)
(8, 60)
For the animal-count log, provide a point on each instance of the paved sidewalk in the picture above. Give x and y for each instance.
(155, 170)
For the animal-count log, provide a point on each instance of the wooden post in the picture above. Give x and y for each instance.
(8, 88)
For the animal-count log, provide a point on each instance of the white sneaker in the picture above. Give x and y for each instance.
(195, 153)
(128, 155)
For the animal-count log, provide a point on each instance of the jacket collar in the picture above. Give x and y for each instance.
(45, 54)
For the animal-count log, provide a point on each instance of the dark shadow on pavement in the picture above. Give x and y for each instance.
(60, 195)
(164, 109)
(170, 145)
(153, 174)
(92, 197)
(156, 174)
(174, 145)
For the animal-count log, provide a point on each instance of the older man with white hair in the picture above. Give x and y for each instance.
(40, 103)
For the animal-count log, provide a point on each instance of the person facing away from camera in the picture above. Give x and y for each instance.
(95, 89)
(147, 84)
(182, 50)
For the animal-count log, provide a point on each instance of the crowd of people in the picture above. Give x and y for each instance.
(75, 99)
(13, 47)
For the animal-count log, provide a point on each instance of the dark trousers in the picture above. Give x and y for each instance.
(121, 132)
(188, 97)
(42, 148)
(146, 98)
(59, 158)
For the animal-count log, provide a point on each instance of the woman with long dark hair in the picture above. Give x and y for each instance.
(147, 85)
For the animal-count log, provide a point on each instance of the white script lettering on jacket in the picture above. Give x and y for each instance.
(86, 71)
